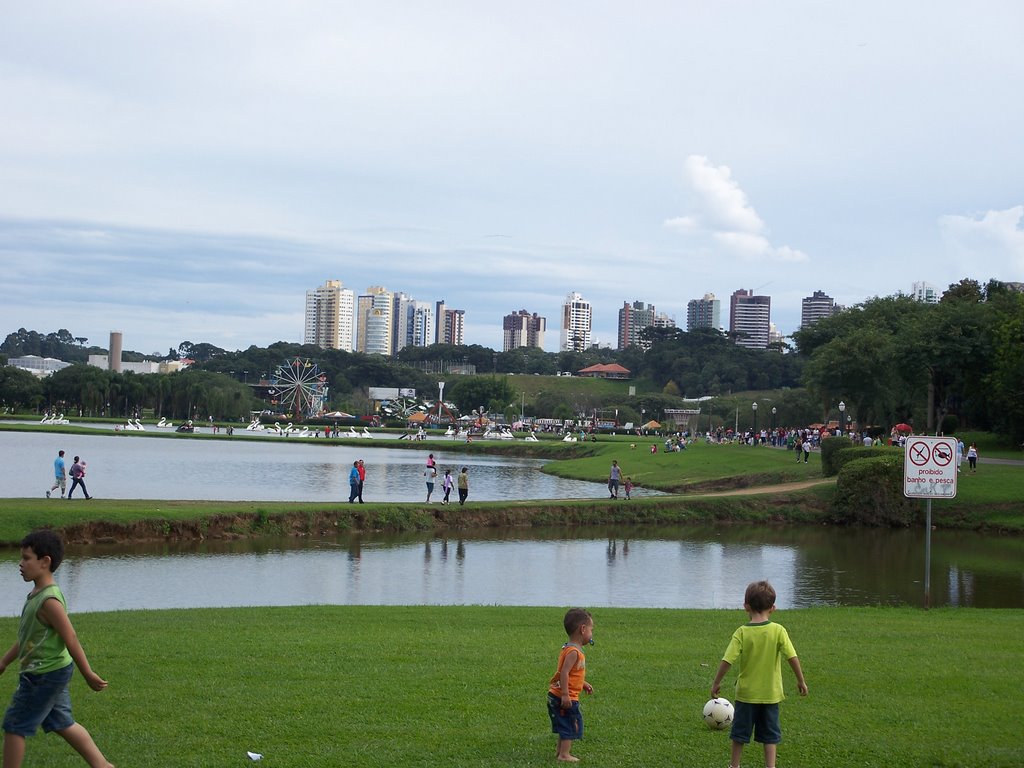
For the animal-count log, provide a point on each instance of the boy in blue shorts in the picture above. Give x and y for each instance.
(758, 648)
(48, 650)
(569, 681)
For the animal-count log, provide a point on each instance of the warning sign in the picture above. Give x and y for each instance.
(929, 467)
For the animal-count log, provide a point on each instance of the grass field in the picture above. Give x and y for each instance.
(464, 686)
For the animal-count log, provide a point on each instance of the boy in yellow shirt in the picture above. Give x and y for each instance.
(758, 648)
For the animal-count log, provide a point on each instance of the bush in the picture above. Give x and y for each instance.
(831, 446)
(846, 455)
(870, 492)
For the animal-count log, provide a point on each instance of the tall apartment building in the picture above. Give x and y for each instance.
(450, 324)
(330, 313)
(750, 319)
(577, 317)
(521, 329)
(704, 313)
(816, 306)
(633, 318)
(412, 322)
(374, 324)
(925, 292)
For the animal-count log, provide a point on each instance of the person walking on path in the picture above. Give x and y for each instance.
(972, 457)
(431, 475)
(353, 482)
(447, 483)
(60, 475)
(463, 485)
(48, 651)
(614, 477)
(807, 450)
(362, 478)
(78, 478)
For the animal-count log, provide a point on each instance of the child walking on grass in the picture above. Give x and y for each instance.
(568, 681)
(757, 648)
(46, 647)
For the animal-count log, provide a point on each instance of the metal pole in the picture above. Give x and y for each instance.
(927, 554)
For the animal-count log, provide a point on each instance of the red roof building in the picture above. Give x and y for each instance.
(603, 371)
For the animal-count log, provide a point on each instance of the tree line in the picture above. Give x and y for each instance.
(940, 367)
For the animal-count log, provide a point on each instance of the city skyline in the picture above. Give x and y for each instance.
(184, 172)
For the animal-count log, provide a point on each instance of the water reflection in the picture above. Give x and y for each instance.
(622, 566)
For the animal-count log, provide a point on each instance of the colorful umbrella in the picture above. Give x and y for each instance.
(903, 428)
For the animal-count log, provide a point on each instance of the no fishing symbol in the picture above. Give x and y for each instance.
(929, 468)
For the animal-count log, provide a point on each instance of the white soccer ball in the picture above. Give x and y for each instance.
(718, 714)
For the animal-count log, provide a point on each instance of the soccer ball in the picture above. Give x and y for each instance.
(718, 714)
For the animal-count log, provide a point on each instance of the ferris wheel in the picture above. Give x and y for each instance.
(301, 387)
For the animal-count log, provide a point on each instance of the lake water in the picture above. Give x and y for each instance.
(123, 466)
(666, 567)
(670, 567)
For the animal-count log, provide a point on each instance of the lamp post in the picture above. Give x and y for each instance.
(774, 411)
(440, 400)
(753, 407)
(842, 417)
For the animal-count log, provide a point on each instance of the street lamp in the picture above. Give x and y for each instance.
(753, 407)
(774, 411)
(842, 417)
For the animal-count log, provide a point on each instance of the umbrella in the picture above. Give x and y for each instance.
(903, 428)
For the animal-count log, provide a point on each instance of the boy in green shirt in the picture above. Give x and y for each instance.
(48, 650)
(758, 647)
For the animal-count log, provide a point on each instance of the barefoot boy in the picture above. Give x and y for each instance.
(46, 647)
(567, 682)
(758, 648)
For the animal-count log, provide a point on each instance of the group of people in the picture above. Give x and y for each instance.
(448, 483)
(357, 477)
(756, 649)
(60, 477)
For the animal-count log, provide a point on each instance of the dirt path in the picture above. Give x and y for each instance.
(766, 489)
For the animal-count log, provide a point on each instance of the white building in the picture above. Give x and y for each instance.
(330, 316)
(925, 292)
(750, 319)
(577, 318)
(36, 365)
(815, 307)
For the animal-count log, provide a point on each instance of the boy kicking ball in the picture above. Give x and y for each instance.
(48, 650)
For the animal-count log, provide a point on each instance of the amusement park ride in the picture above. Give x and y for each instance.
(300, 387)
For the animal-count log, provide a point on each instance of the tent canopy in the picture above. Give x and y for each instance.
(652, 424)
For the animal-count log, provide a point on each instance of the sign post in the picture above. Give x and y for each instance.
(929, 471)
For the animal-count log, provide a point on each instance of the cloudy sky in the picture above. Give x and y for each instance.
(187, 169)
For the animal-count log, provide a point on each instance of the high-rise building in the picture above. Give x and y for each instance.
(373, 329)
(450, 324)
(750, 319)
(412, 322)
(633, 318)
(704, 313)
(330, 312)
(815, 307)
(521, 329)
(577, 316)
(925, 292)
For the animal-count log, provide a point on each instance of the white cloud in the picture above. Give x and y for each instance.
(723, 212)
(997, 237)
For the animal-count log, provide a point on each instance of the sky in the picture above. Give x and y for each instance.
(185, 170)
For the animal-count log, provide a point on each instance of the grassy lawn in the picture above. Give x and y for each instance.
(464, 686)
